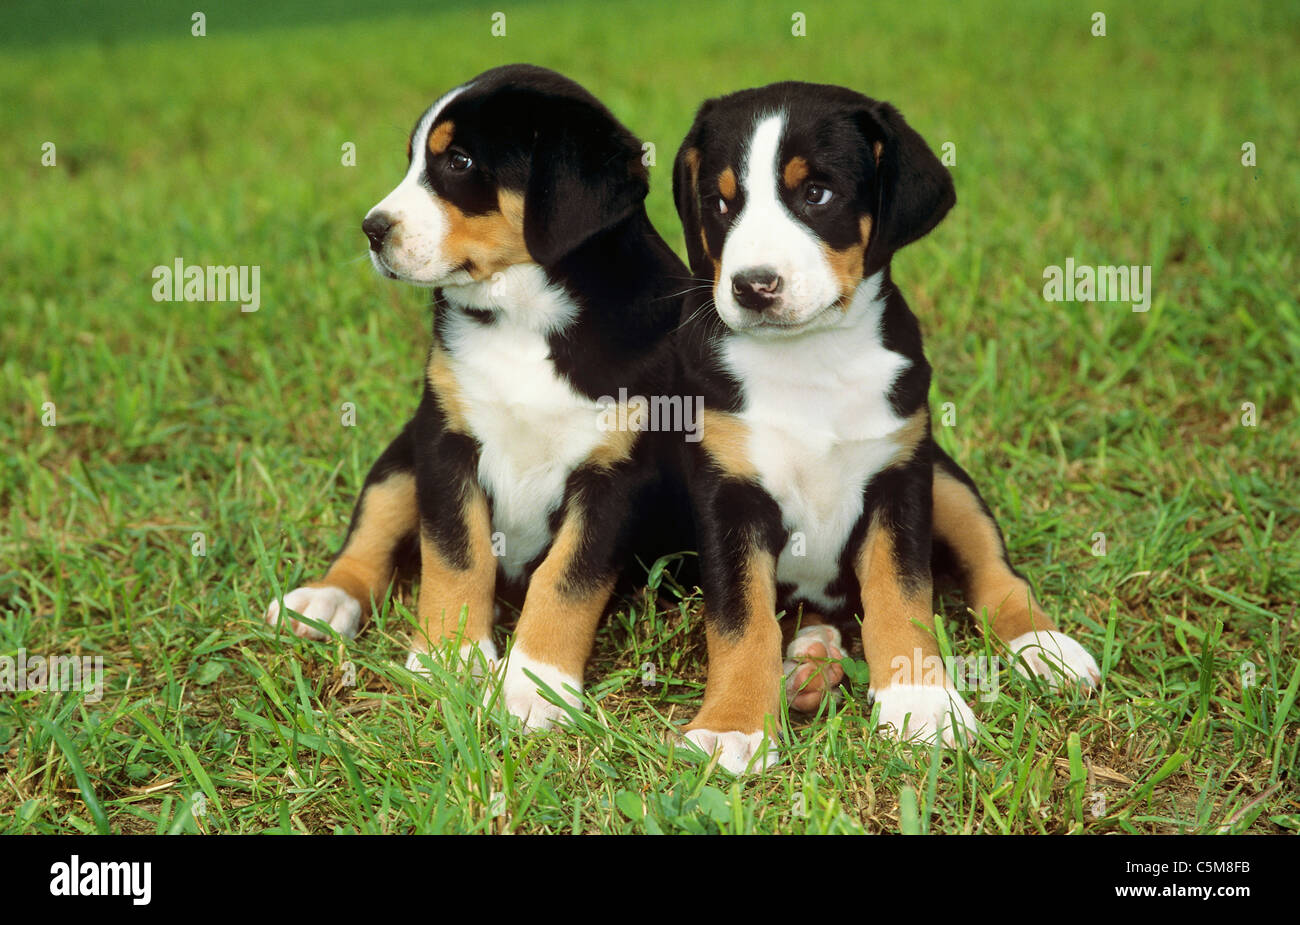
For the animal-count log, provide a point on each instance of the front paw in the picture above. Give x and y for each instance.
(525, 700)
(925, 712)
(738, 752)
(324, 604)
(1055, 658)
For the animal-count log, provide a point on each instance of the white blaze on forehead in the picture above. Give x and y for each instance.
(416, 252)
(419, 147)
(766, 234)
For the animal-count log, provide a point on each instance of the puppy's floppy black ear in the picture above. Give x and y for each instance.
(586, 176)
(686, 190)
(915, 189)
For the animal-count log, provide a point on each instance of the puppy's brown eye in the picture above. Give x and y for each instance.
(817, 195)
(716, 204)
(460, 161)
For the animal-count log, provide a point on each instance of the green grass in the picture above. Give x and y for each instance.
(1075, 418)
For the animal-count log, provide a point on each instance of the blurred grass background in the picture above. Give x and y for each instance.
(1075, 418)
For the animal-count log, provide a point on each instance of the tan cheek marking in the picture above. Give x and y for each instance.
(889, 609)
(445, 589)
(727, 183)
(847, 265)
(726, 439)
(796, 171)
(558, 623)
(876, 149)
(987, 581)
(489, 243)
(365, 566)
(743, 692)
(440, 137)
(717, 264)
(446, 389)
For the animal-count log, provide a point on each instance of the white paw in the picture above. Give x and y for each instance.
(738, 752)
(808, 675)
(523, 698)
(925, 711)
(332, 606)
(480, 656)
(1053, 656)
(810, 637)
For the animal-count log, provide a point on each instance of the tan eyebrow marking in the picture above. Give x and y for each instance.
(727, 183)
(440, 137)
(796, 170)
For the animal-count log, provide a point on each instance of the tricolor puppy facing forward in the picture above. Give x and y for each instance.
(523, 209)
(817, 489)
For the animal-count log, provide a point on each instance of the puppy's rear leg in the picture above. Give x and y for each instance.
(812, 663)
(383, 522)
(966, 529)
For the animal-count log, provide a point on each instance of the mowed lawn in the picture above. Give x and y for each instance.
(1167, 439)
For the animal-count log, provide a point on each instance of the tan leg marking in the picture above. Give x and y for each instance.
(743, 692)
(726, 439)
(908, 437)
(446, 589)
(987, 580)
(891, 611)
(559, 619)
(446, 389)
(618, 443)
(364, 568)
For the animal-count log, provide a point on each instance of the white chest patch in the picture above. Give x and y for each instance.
(533, 427)
(821, 426)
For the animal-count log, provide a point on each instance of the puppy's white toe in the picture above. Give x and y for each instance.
(481, 657)
(924, 712)
(809, 637)
(328, 605)
(1054, 657)
(812, 648)
(525, 700)
(738, 752)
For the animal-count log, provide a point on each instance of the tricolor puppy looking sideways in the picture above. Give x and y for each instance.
(817, 489)
(523, 209)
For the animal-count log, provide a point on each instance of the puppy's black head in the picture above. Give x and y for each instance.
(519, 165)
(792, 194)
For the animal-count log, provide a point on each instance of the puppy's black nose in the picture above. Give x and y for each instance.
(756, 288)
(376, 226)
